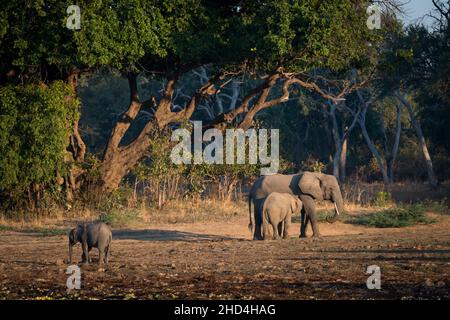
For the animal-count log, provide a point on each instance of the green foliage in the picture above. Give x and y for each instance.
(312, 164)
(43, 232)
(6, 228)
(35, 122)
(416, 61)
(161, 164)
(437, 206)
(33, 36)
(396, 217)
(121, 218)
(116, 200)
(119, 33)
(159, 167)
(382, 199)
(302, 35)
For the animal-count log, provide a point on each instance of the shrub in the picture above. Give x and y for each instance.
(121, 218)
(438, 206)
(396, 217)
(383, 199)
(35, 122)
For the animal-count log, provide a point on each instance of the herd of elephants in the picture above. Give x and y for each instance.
(275, 198)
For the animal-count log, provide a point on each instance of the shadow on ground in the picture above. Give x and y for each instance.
(166, 235)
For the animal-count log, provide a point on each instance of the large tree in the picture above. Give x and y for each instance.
(279, 44)
(415, 68)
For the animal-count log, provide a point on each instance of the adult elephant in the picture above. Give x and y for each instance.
(308, 186)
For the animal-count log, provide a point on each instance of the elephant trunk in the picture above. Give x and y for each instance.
(338, 206)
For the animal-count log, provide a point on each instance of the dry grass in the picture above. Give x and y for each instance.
(57, 222)
(362, 194)
(359, 199)
(172, 212)
(195, 211)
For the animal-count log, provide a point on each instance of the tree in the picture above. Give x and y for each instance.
(275, 42)
(34, 123)
(280, 45)
(412, 66)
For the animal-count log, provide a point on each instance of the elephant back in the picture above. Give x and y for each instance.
(280, 183)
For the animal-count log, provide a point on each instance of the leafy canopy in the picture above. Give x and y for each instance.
(177, 35)
(35, 125)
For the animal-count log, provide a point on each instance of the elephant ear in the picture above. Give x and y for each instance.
(310, 183)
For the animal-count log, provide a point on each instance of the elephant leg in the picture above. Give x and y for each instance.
(258, 219)
(107, 254)
(310, 211)
(85, 256)
(306, 222)
(287, 224)
(275, 231)
(265, 231)
(280, 228)
(101, 256)
(303, 223)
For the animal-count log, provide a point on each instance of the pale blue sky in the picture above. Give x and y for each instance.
(416, 9)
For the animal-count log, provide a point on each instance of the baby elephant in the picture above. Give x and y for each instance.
(278, 208)
(91, 235)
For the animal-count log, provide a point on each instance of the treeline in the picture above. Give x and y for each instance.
(86, 111)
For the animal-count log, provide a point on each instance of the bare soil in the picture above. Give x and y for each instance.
(212, 260)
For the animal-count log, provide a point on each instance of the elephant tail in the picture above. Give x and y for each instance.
(250, 224)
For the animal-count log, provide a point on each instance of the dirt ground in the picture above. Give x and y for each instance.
(218, 261)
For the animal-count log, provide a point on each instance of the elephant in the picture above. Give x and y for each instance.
(91, 235)
(277, 211)
(308, 186)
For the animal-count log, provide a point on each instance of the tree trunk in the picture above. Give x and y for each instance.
(118, 160)
(374, 152)
(343, 159)
(394, 152)
(76, 149)
(369, 142)
(336, 139)
(341, 142)
(431, 176)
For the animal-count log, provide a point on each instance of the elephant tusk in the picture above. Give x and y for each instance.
(335, 206)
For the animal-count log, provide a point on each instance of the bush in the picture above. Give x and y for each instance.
(121, 218)
(35, 122)
(438, 206)
(117, 200)
(382, 199)
(397, 217)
